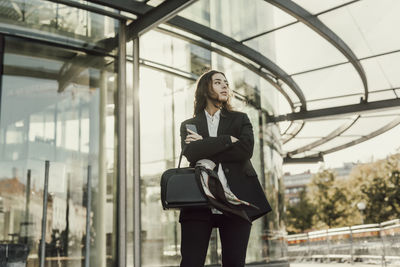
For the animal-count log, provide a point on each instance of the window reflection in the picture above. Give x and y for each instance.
(58, 106)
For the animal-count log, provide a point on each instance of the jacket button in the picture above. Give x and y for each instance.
(226, 145)
(226, 170)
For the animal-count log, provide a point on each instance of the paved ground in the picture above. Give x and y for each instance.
(312, 264)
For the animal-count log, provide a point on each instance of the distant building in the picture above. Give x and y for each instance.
(296, 183)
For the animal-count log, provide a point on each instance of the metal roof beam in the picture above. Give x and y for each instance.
(336, 111)
(305, 160)
(315, 24)
(133, 7)
(156, 16)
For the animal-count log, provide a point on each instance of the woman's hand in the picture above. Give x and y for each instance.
(192, 136)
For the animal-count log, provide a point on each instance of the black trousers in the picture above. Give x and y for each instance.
(195, 236)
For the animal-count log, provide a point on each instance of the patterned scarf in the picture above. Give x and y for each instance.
(220, 196)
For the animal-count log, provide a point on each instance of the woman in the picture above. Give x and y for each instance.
(225, 137)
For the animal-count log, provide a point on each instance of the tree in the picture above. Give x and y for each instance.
(382, 196)
(329, 197)
(299, 216)
(377, 184)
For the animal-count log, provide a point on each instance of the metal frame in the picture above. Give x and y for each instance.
(315, 24)
(134, 7)
(156, 16)
(310, 159)
(336, 111)
(294, 134)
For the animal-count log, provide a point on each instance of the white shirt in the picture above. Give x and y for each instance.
(212, 123)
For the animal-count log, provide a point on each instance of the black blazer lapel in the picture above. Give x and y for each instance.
(225, 121)
(201, 123)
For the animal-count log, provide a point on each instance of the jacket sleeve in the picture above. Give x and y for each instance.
(205, 148)
(242, 149)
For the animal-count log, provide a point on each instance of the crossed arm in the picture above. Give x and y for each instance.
(224, 148)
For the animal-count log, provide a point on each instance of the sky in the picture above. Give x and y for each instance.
(376, 148)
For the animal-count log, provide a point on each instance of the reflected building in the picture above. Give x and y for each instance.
(71, 95)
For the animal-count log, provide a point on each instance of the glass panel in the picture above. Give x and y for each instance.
(320, 128)
(376, 96)
(377, 79)
(58, 106)
(297, 48)
(334, 81)
(316, 6)
(160, 149)
(228, 17)
(58, 20)
(298, 142)
(390, 66)
(364, 24)
(334, 102)
(173, 52)
(243, 82)
(340, 140)
(273, 248)
(364, 126)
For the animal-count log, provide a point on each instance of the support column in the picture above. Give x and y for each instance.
(121, 163)
(136, 155)
(100, 220)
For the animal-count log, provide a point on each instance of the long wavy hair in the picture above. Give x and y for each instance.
(204, 90)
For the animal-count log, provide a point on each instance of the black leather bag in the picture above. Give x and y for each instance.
(181, 188)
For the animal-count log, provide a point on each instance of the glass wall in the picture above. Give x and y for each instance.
(58, 103)
(58, 106)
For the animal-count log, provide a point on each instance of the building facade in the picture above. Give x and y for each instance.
(90, 119)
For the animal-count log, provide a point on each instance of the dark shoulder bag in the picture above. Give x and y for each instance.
(181, 188)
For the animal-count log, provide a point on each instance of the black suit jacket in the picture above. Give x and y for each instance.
(234, 157)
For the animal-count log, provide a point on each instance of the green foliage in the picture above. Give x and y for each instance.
(377, 184)
(300, 215)
(330, 199)
(332, 202)
(382, 196)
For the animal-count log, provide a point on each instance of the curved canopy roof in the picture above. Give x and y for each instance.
(336, 64)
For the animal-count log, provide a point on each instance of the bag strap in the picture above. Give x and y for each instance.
(180, 156)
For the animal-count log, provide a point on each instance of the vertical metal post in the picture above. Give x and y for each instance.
(88, 213)
(121, 218)
(44, 213)
(27, 202)
(136, 155)
(351, 246)
(100, 218)
(383, 246)
(67, 214)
